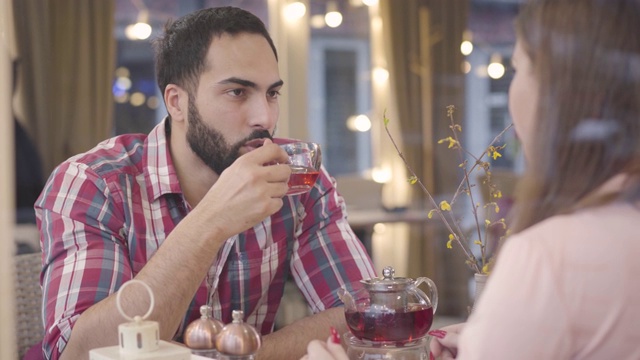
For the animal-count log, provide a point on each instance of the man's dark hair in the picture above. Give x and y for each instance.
(181, 51)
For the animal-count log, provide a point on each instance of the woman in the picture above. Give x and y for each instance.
(565, 285)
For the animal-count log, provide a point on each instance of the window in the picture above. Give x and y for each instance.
(491, 32)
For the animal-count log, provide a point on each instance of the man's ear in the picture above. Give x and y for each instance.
(177, 101)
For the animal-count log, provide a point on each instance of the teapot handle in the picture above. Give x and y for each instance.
(433, 291)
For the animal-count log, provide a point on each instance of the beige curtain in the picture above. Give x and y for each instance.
(66, 50)
(421, 43)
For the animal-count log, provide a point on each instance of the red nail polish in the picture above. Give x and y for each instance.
(431, 357)
(335, 337)
(440, 334)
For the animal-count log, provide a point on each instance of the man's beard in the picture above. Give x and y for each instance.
(209, 144)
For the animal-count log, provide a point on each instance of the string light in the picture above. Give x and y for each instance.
(138, 31)
(360, 123)
(295, 10)
(141, 30)
(380, 75)
(496, 69)
(333, 17)
(466, 67)
(466, 47)
(137, 99)
(381, 175)
(317, 21)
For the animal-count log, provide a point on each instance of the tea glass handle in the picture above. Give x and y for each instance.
(433, 291)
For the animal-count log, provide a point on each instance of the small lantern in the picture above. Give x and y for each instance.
(140, 339)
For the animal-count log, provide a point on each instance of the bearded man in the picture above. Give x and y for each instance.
(196, 209)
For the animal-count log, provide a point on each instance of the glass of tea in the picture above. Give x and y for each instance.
(305, 159)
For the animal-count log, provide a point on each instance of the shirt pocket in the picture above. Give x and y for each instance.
(255, 281)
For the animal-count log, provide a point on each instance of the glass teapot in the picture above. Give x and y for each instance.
(390, 309)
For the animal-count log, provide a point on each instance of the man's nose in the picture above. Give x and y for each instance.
(263, 114)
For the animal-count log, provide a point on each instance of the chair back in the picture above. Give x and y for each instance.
(29, 328)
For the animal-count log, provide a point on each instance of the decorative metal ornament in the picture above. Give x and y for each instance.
(238, 339)
(201, 334)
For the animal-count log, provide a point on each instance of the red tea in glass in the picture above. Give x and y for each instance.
(400, 327)
(305, 160)
(301, 179)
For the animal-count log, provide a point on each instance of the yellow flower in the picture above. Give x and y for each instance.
(451, 238)
(497, 194)
(444, 205)
(485, 269)
(431, 212)
(452, 141)
(495, 206)
(493, 152)
(412, 180)
(487, 222)
(450, 109)
(477, 242)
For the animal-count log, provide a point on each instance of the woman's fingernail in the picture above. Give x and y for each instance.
(431, 357)
(440, 334)
(335, 337)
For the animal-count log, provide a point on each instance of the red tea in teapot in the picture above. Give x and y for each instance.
(400, 326)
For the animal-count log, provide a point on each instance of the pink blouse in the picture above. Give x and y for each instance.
(566, 288)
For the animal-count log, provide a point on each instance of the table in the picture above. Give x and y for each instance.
(359, 218)
(363, 220)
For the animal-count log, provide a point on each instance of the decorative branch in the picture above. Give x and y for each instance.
(456, 234)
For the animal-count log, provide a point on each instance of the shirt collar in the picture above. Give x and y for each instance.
(160, 173)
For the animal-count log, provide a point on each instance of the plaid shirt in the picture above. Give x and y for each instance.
(104, 213)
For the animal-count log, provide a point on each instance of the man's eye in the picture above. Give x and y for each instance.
(273, 94)
(236, 92)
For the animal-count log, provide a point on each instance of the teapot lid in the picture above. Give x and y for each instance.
(388, 282)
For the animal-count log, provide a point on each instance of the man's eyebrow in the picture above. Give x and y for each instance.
(235, 80)
(247, 83)
(276, 84)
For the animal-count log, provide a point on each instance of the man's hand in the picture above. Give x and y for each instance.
(249, 190)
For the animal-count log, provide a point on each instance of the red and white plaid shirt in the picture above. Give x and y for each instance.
(104, 213)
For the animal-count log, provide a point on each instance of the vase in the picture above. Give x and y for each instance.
(480, 281)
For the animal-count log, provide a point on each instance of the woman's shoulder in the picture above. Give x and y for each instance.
(614, 217)
(586, 236)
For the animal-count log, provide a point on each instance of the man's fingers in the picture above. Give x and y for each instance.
(268, 154)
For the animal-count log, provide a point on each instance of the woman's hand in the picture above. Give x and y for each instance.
(329, 350)
(444, 341)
